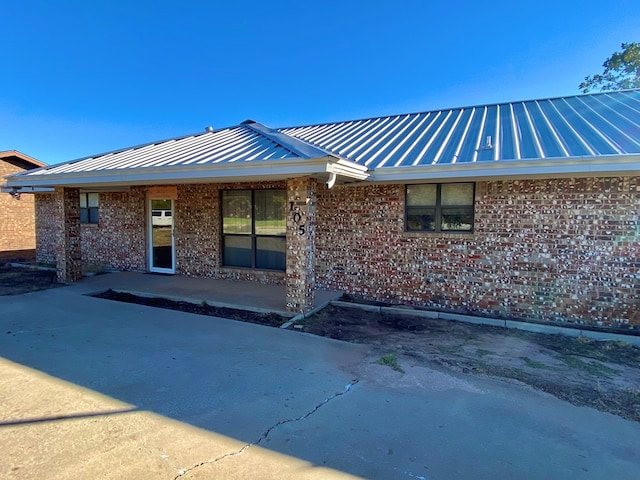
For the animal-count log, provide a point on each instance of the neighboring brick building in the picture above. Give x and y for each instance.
(528, 210)
(17, 213)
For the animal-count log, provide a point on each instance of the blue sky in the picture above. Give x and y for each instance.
(80, 78)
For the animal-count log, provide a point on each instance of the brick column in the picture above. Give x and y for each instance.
(68, 256)
(301, 220)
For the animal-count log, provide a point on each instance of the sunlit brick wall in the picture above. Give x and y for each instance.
(563, 250)
(17, 217)
(48, 227)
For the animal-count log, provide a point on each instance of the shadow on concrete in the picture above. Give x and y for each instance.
(231, 378)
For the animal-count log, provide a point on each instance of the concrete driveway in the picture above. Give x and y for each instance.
(96, 389)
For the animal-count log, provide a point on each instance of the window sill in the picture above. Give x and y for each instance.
(231, 269)
(412, 234)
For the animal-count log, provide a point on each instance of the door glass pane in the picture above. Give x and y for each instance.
(270, 253)
(93, 199)
(93, 215)
(162, 234)
(270, 211)
(236, 211)
(237, 251)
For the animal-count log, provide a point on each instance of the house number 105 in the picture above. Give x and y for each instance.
(297, 217)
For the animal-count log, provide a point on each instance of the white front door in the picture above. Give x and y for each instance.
(161, 246)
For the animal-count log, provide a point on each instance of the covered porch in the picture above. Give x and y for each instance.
(194, 206)
(242, 295)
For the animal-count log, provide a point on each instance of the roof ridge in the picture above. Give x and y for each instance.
(296, 146)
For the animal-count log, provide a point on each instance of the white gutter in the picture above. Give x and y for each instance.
(216, 173)
(535, 168)
(347, 168)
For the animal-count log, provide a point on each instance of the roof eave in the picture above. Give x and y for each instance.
(11, 190)
(22, 156)
(607, 165)
(218, 173)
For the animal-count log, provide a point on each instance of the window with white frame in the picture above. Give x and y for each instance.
(89, 207)
(439, 207)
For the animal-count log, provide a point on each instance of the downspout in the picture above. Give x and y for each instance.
(332, 180)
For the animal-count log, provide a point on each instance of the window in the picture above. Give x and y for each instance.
(440, 207)
(254, 228)
(89, 206)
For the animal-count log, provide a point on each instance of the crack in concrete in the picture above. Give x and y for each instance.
(267, 432)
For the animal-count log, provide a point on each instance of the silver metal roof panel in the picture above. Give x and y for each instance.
(566, 127)
(566, 135)
(244, 143)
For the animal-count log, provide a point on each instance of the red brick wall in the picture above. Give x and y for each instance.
(301, 231)
(548, 250)
(17, 217)
(197, 230)
(118, 241)
(48, 227)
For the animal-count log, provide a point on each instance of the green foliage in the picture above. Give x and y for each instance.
(533, 363)
(390, 360)
(621, 71)
(594, 368)
(481, 352)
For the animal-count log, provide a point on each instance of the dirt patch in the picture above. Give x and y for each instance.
(18, 280)
(598, 374)
(8, 256)
(268, 319)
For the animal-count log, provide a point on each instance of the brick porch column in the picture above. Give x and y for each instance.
(68, 256)
(301, 220)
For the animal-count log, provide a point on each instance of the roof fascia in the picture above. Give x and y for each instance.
(218, 173)
(607, 165)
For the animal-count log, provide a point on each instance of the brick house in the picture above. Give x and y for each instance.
(17, 213)
(526, 210)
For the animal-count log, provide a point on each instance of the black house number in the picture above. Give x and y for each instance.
(297, 217)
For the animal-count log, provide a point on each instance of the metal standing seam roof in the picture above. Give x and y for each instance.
(580, 129)
(579, 126)
(244, 143)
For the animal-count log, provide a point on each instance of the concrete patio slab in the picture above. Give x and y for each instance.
(251, 296)
(91, 388)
